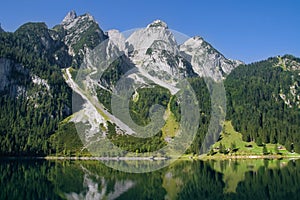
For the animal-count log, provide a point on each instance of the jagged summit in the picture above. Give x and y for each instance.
(69, 17)
(72, 18)
(198, 38)
(142, 39)
(158, 24)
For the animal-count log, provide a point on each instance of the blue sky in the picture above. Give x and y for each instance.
(244, 30)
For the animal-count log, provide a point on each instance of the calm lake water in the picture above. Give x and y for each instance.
(244, 179)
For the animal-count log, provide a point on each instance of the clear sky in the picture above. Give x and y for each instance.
(246, 30)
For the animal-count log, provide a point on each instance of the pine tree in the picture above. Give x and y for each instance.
(265, 150)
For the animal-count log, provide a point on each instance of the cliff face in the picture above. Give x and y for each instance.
(12, 77)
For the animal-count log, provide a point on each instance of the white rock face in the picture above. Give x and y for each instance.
(158, 24)
(39, 81)
(70, 17)
(207, 61)
(117, 39)
(77, 26)
(155, 53)
(155, 49)
(139, 41)
(292, 97)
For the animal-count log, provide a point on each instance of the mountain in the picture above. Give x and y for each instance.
(33, 93)
(80, 33)
(156, 50)
(12, 86)
(263, 101)
(44, 42)
(149, 57)
(206, 60)
(41, 67)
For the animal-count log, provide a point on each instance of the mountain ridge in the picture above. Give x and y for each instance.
(35, 65)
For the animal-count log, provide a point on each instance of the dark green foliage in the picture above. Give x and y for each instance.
(194, 178)
(24, 130)
(27, 122)
(104, 96)
(253, 92)
(91, 38)
(222, 148)
(135, 144)
(265, 150)
(21, 179)
(149, 51)
(139, 112)
(259, 142)
(115, 71)
(203, 97)
(281, 183)
(66, 141)
(33, 46)
(64, 179)
(32, 179)
(175, 108)
(149, 96)
(255, 106)
(233, 146)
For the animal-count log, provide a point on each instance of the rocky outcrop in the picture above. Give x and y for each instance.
(13, 77)
(156, 50)
(206, 60)
(80, 33)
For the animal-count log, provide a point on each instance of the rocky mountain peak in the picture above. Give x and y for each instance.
(81, 33)
(198, 39)
(69, 17)
(72, 20)
(117, 38)
(142, 39)
(206, 60)
(158, 24)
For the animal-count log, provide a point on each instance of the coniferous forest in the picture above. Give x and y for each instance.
(262, 99)
(30, 114)
(263, 102)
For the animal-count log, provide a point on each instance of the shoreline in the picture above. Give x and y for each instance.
(248, 157)
(151, 158)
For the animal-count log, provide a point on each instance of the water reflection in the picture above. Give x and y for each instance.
(243, 179)
(96, 187)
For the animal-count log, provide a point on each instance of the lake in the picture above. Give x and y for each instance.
(228, 179)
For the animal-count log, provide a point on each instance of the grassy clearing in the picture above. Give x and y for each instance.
(171, 126)
(230, 137)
